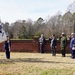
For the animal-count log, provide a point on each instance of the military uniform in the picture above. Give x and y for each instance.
(63, 45)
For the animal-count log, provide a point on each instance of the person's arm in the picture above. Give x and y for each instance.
(9, 45)
(65, 42)
(71, 43)
(55, 42)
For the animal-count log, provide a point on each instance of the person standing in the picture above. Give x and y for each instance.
(42, 42)
(72, 45)
(7, 47)
(53, 45)
(63, 44)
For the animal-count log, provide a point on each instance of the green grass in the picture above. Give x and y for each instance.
(36, 64)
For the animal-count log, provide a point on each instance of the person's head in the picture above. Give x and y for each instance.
(53, 36)
(42, 35)
(7, 37)
(63, 34)
(72, 34)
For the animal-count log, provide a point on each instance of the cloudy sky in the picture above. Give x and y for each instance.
(12, 10)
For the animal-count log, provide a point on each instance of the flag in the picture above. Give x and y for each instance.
(2, 33)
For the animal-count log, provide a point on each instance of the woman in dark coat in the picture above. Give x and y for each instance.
(7, 47)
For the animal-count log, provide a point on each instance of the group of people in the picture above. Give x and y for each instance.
(53, 45)
(63, 44)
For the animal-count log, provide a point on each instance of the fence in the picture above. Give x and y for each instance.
(31, 46)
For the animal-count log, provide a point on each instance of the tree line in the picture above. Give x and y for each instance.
(56, 24)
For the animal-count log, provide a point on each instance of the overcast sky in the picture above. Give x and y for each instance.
(12, 10)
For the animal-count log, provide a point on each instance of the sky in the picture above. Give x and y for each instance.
(13, 10)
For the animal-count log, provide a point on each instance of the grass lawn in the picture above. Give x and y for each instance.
(36, 64)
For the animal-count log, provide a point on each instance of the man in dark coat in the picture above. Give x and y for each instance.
(42, 43)
(72, 45)
(7, 46)
(53, 45)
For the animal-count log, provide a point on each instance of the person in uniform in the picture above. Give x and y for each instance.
(53, 45)
(72, 45)
(42, 42)
(7, 47)
(63, 44)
